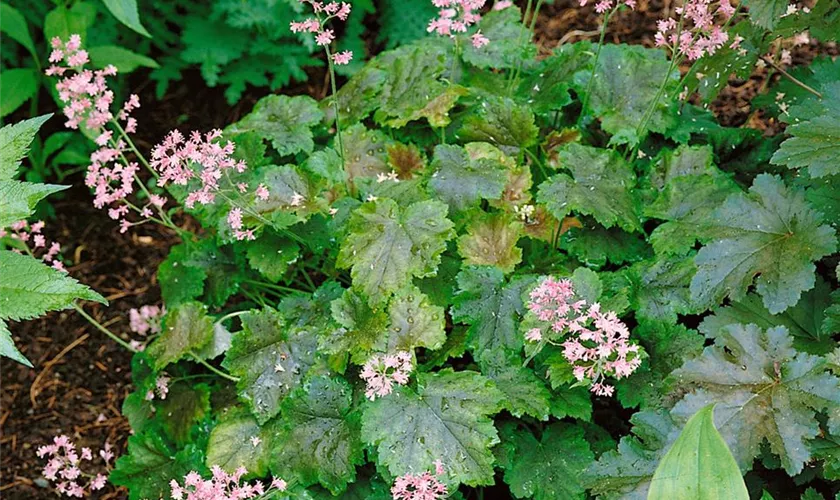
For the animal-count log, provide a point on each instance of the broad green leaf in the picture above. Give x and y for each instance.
(600, 185)
(491, 240)
(462, 181)
(625, 85)
(272, 255)
(594, 245)
(62, 22)
(625, 473)
(365, 153)
(186, 328)
(573, 402)
(388, 245)
(285, 121)
(525, 393)
(29, 288)
(19, 85)
(363, 327)
(13, 24)
(180, 282)
(545, 87)
(698, 465)
(415, 322)
(124, 60)
(151, 463)
(827, 448)
(551, 468)
(238, 441)
(14, 144)
(823, 194)
(18, 199)
(446, 418)
(202, 268)
(359, 96)
(501, 122)
(770, 232)
(7, 346)
(815, 127)
(766, 13)
(326, 164)
(185, 405)
(271, 358)
(318, 438)
(126, 12)
(510, 41)
(659, 288)
(668, 346)
(764, 390)
(492, 306)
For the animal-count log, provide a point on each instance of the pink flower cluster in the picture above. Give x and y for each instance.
(425, 486)
(145, 320)
(63, 467)
(88, 103)
(382, 371)
(696, 32)
(456, 16)
(597, 344)
(605, 5)
(324, 37)
(222, 486)
(31, 236)
(161, 388)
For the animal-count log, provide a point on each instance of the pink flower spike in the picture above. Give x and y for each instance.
(342, 58)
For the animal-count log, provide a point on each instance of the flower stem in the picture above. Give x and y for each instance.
(335, 103)
(792, 78)
(90, 319)
(212, 368)
(603, 35)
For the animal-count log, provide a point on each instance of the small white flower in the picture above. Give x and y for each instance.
(255, 441)
(279, 368)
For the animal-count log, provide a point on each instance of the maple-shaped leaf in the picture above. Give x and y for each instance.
(549, 468)
(764, 390)
(492, 306)
(626, 83)
(823, 194)
(594, 245)
(186, 329)
(525, 393)
(545, 85)
(272, 255)
(271, 358)
(415, 322)
(239, 441)
(601, 185)
(445, 418)
(491, 240)
(827, 448)
(365, 153)
(502, 122)
(815, 129)
(659, 288)
(285, 121)
(186, 404)
(406, 160)
(362, 331)
(317, 440)
(573, 402)
(771, 232)
(804, 321)
(462, 181)
(506, 29)
(625, 473)
(151, 463)
(389, 245)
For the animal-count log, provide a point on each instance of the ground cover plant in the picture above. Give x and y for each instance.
(471, 270)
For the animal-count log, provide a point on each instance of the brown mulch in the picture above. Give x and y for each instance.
(81, 377)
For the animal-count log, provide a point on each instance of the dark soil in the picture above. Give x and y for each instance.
(81, 377)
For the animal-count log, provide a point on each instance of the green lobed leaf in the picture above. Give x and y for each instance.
(461, 181)
(14, 144)
(660, 288)
(365, 152)
(525, 393)
(766, 13)
(185, 405)
(272, 255)
(771, 232)
(445, 418)
(509, 41)
(318, 438)
(283, 120)
(601, 185)
(388, 245)
(415, 322)
(491, 240)
(363, 327)
(501, 122)
(595, 245)
(698, 465)
(239, 441)
(186, 328)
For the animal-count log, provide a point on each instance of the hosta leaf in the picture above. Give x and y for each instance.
(491, 306)
(186, 328)
(501, 122)
(363, 327)
(770, 232)
(151, 463)
(318, 438)
(660, 288)
(698, 465)
(18, 199)
(600, 185)
(445, 418)
(462, 181)
(285, 121)
(272, 255)
(626, 83)
(14, 144)
(512, 41)
(239, 441)
(764, 390)
(625, 473)
(388, 245)
(815, 131)
(185, 405)
(804, 321)
(525, 393)
(270, 358)
(7, 346)
(29, 288)
(415, 322)
(549, 469)
(491, 240)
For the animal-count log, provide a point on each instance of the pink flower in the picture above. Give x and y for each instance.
(425, 486)
(381, 372)
(456, 16)
(502, 5)
(342, 57)
(261, 192)
(145, 320)
(235, 218)
(162, 386)
(221, 486)
(479, 40)
(325, 37)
